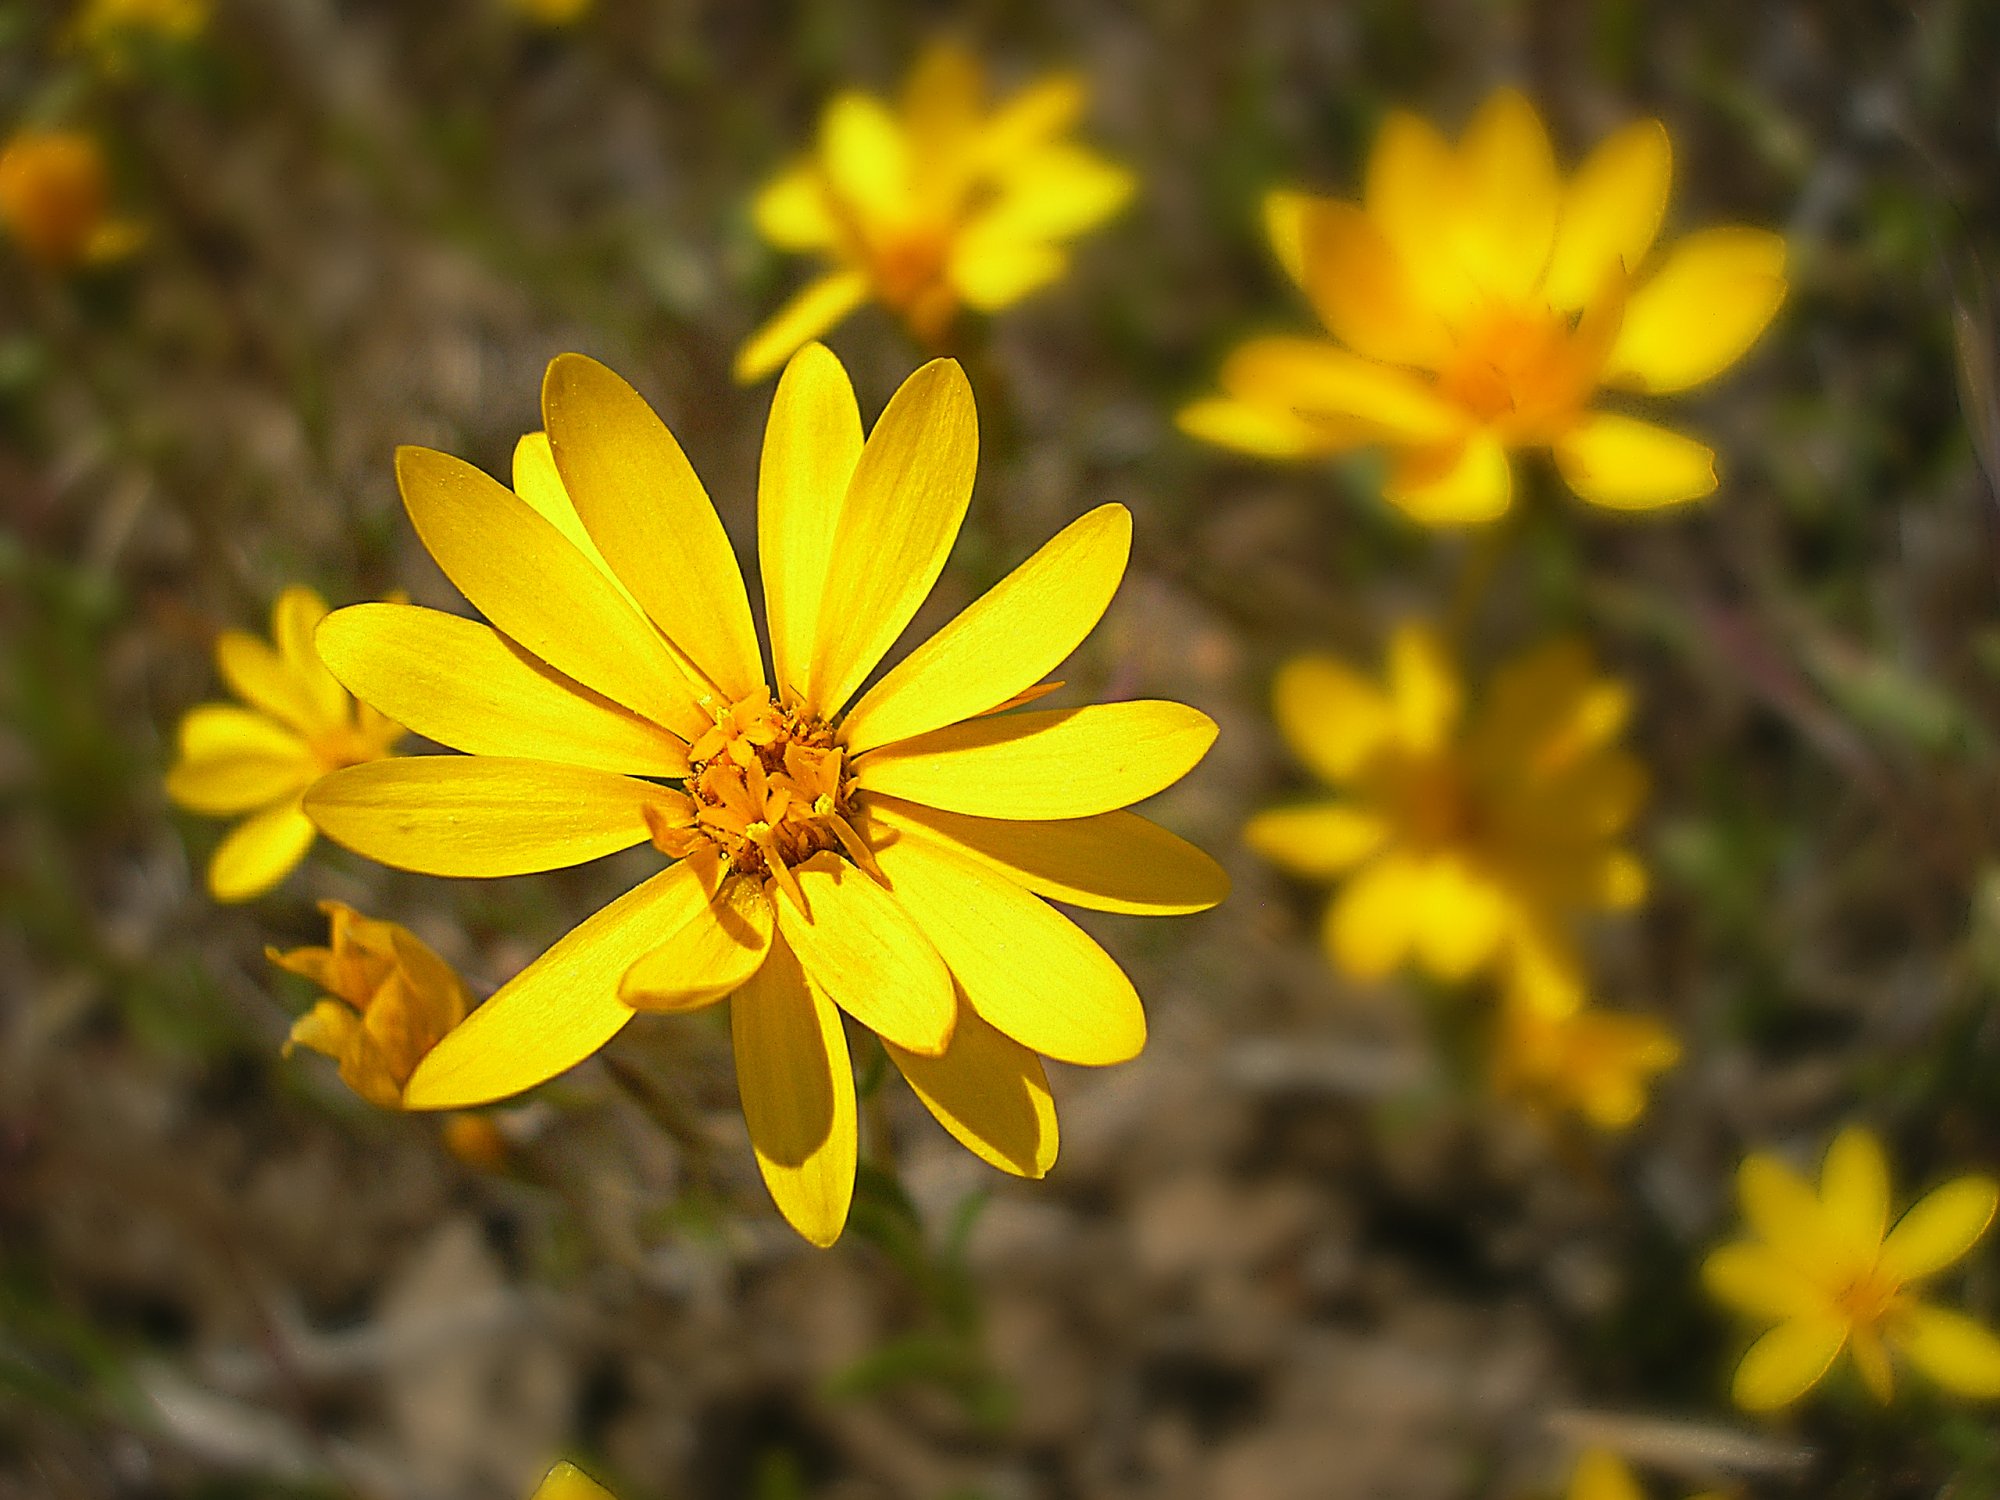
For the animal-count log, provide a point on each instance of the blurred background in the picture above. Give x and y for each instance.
(1294, 1252)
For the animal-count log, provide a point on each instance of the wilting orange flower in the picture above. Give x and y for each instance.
(391, 999)
(298, 725)
(1462, 842)
(880, 852)
(55, 200)
(1828, 1270)
(939, 204)
(1478, 304)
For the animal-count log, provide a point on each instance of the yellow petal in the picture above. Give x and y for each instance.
(792, 213)
(1461, 484)
(1697, 315)
(865, 157)
(1787, 1362)
(797, 1088)
(1285, 227)
(465, 685)
(713, 952)
(1611, 211)
(539, 591)
(1871, 1358)
(1056, 763)
(1626, 464)
(1460, 920)
(1320, 380)
(1602, 1475)
(1854, 1192)
(1959, 1354)
(811, 444)
(1010, 638)
(1425, 694)
(567, 1482)
(897, 524)
(483, 815)
(1333, 718)
(1753, 1279)
(646, 510)
(1328, 838)
(1265, 431)
(1783, 1210)
(538, 481)
(259, 852)
(1115, 861)
(873, 961)
(1939, 1229)
(294, 618)
(262, 678)
(1056, 193)
(1413, 187)
(1508, 220)
(1362, 289)
(1030, 118)
(1020, 964)
(232, 760)
(1369, 924)
(992, 269)
(329, 1029)
(990, 1092)
(810, 313)
(564, 1005)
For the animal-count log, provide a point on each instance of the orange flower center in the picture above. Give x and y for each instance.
(1867, 1299)
(342, 746)
(1516, 366)
(908, 269)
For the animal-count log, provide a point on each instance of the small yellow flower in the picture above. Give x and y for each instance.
(567, 1482)
(940, 204)
(55, 200)
(392, 1000)
(1462, 844)
(1478, 304)
(881, 852)
(298, 725)
(108, 27)
(1594, 1063)
(1602, 1475)
(1827, 1269)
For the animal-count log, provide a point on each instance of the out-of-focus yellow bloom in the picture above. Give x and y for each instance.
(55, 200)
(567, 1482)
(1584, 1061)
(938, 204)
(392, 1000)
(1478, 303)
(108, 28)
(1463, 844)
(552, 13)
(882, 853)
(1827, 1269)
(1602, 1475)
(298, 725)
(475, 1140)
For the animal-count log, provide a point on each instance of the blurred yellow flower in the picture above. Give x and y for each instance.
(107, 27)
(1584, 1061)
(885, 859)
(1478, 303)
(552, 13)
(1602, 1475)
(1462, 844)
(567, 1482)
(299, 724)
(55, 199)
(939, 204)
(392, 1000)
(1827, 1269)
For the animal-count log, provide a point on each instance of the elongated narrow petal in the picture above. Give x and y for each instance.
(860, 946)
(539, 591)
(232, 759)
(1854, 1192)
(261, 677)
(1371, 921)
(1626, 464)
(259, 852)
(1328, 838)
(1362, 289)
(1285, 227)
(1021, 964)
(564, 1005)
(792, 213)
(811, 444)
(1115, 861)
(1414, 186)
(1756, 1280)
(1037, 114)
(483, 815)
(864, 155)
(648, 513)
(465, 685)
(1010, 638)
(1425, 693)
(1319, 379)
(992, 269)
(1332, 717)
(897, 525)
(1701, 311)
(1508, 220)
(1058, 192)
(811, 312)
(797, 1086)
(1939, 1229)
(714, 952)
(1599, 1475)
(991, 1093)
(538, 481)
(1060, 763)
(1782, 1209)
(1263, 430)
(1611, 211)
(1787, 1362)
(294, 618)
(1959, 1354)
(1456, 484)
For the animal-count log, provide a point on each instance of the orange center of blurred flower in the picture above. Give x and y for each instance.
(908, 269)
(1515, 366)
(1867, 1299)
(1436, 805)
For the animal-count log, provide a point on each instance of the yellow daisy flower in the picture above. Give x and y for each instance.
(935, 205)
(567, 1482)
(1827, 1269)
(1462, 844)
(1477, 304)
(298, 725)
(391, 1000)
(55, 198)
(882, 854)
